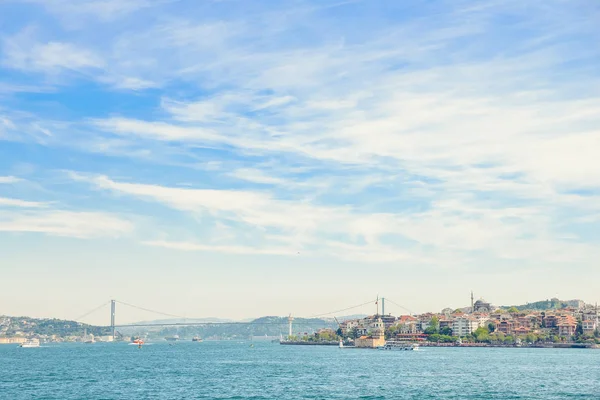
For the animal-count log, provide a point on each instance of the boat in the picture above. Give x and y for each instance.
(30, 343)
(398, 345)
(138, 341)
(341, 345)
(196, 339)
(172, 338)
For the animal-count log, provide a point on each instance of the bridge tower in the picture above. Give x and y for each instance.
(290, 319)
(112, 317)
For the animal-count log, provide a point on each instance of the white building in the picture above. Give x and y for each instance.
(590, 322)
(463, 326)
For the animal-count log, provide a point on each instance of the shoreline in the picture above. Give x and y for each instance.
(464, 345)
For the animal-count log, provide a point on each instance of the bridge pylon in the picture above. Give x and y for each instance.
(112, 317)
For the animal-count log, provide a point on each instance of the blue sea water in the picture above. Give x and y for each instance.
(234, 370)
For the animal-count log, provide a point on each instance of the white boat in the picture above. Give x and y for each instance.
(30, 343)
(341, 345)
(173, 338)
(399, 346)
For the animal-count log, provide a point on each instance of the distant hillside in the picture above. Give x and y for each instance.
(349, 317)
(12, 326)
(551, 304)
(182, 320)
(270, 326)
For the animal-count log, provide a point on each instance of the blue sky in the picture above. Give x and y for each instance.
(297, 156)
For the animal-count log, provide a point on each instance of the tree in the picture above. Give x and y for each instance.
(530, 338)
(513, 310)
(509, 339)
(435, 323)
(483, 337)
(446, 331)
(500, 336)
(491, 327)
(579, 329)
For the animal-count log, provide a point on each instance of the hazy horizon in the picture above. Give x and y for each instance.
(237, 159)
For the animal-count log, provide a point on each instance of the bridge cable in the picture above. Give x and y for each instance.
(404, 308)
(152, 311)
(89, 312)
(338, 311)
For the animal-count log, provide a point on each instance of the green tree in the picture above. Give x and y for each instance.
(513, 310)
(530, 338)
(500, 336)
(579, 329)
(446, 331)
(509, 339)
(483, 337)
(491, 327)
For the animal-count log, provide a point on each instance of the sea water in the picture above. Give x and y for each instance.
(235, 370)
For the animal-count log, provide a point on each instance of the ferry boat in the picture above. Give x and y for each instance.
(173, 338)
(30, 343)
(397, 345)
(196, 339)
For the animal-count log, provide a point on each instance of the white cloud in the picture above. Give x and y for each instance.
(257, 176)
(20, 203)
(188, 246)
(70, 11)
(65, 223)
(9, 179)
(25, 52)
(452, 226)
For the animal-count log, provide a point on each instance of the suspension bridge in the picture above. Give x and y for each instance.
(188, 321)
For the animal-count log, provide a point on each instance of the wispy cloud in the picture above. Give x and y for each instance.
(65, 223)
(441, 138)
(21, 203)
(9, 179)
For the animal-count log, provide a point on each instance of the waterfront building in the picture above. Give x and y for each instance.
(388, 320)
(12, 340)
(506, 326)
(465, 325)
(589, 326)
(589, 321)
(567, 326)
(407, 325)
(375, 339)
(446, 323)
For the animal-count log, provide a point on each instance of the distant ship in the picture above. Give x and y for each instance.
(137, 341)
(397, 345)
(30, 343)
(172, 338)
(196, 339)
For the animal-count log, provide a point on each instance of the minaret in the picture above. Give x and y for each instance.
(472, 304)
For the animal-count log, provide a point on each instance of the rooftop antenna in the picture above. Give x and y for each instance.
(472, 305)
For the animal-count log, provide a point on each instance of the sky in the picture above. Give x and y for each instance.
(228, 158)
